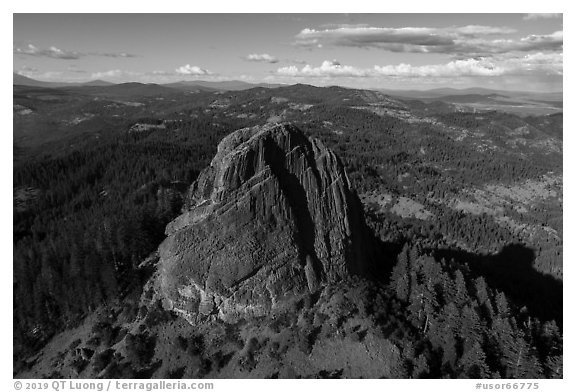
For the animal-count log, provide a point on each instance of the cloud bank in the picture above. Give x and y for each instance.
(541, 16)
(262, 58)
(111, 74)
(471, 40)
(326, 69)
(61, 54)
(537, 63)
(192, 70)
(52, 52)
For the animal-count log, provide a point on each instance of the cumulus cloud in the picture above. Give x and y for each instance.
(114, 55)
(61, 54)
(531, 64)
(75, 69)
(538, 63)
(471, 40)
(262, 58)
(326, 69)
(543, 63)
(112, 74)
(383, 36)
(468, 67)
(541, 16)
(27, 68)
(161, 73)
(192, 70)
(52, 52)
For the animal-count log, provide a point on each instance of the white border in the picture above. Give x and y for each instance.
(304, 6)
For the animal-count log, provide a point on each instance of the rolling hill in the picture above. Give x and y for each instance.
(22, 80)
(229, 85)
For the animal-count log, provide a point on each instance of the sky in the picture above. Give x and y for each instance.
(386, 51)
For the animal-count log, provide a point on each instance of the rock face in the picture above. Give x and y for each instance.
(272, 216)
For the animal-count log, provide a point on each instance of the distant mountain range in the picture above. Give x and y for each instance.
(452, 92)
(195, 85)
(25, 81)
(228, 85)
(454, 95)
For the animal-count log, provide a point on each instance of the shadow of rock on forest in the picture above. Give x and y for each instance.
(512, 272)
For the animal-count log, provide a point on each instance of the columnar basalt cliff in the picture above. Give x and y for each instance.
(273, 216)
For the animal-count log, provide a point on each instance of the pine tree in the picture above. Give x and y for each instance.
(461, 296)
(400, 279)
(554, 367)
(473, 363)
(484, 297)
(471, 331)
(517, 359)
(429, 303)
(502, 305)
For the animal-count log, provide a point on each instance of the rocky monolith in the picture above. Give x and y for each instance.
(273, 216)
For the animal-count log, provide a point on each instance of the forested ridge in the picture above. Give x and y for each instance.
(98, 212)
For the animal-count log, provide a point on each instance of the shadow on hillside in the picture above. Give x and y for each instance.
(388, 252)
(512, 272)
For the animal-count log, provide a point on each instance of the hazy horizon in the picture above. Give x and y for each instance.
(520, 52)
(399, 89)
